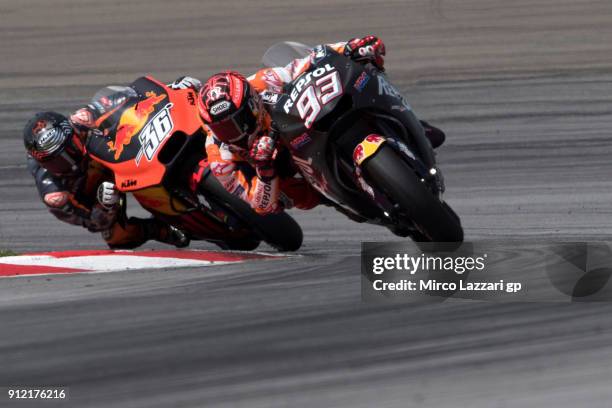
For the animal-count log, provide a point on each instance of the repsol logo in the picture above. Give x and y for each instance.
(266, 195)
(301, 83)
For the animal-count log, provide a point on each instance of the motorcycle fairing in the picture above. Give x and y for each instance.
(159, 199)
(133, 137)
(365, 99)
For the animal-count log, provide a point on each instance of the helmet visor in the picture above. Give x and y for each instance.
(235, 126)
(67, 162)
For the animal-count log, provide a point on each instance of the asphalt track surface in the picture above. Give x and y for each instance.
(524, 91)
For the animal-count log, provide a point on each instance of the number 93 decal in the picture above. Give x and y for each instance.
(309, 98)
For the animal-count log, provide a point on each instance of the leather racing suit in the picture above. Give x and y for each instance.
(73, 199)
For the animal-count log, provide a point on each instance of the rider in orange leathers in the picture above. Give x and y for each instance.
(241, 152)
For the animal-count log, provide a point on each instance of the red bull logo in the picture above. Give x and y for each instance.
(132, 121)
(367, 148)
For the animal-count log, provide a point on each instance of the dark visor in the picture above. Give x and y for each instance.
(236, 126)
(66, 163)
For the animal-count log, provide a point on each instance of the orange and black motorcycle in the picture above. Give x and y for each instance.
(153, 142)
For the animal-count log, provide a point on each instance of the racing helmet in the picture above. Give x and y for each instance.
(51, 140)
(231, 108)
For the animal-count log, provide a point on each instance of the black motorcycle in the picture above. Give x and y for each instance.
(355, 139)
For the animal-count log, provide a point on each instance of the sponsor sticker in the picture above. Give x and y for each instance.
(300, 141)
(361, 82)
(269, 97)
(220, 107)
(128, 183)
(318, 53)
(387, 89)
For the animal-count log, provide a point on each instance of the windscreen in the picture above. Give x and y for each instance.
(110, 97)
(281, 54)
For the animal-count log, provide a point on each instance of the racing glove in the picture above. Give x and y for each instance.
(108, 195)
(262, 155)
(369, 49)
(186, 82)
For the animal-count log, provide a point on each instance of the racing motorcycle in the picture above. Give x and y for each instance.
(154, 144)
(355, 139)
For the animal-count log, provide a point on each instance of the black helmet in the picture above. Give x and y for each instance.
(50, 139)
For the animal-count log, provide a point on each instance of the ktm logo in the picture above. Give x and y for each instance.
(132, 121)
(128, 183)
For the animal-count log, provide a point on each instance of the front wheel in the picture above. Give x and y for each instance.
(390, 174)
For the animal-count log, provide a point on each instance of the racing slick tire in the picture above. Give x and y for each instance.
(387, 171)
(280, 230)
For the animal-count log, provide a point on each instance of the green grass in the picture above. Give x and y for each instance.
(7, 252)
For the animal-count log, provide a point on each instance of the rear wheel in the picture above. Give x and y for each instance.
(388, 172)
(280, 231)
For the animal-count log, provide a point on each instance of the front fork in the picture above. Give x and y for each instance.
(368, 147)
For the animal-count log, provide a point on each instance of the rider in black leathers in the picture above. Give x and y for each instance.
(80, 191)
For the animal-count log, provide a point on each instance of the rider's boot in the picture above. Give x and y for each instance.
(174, 236)
(134, 232)
(168, 234)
